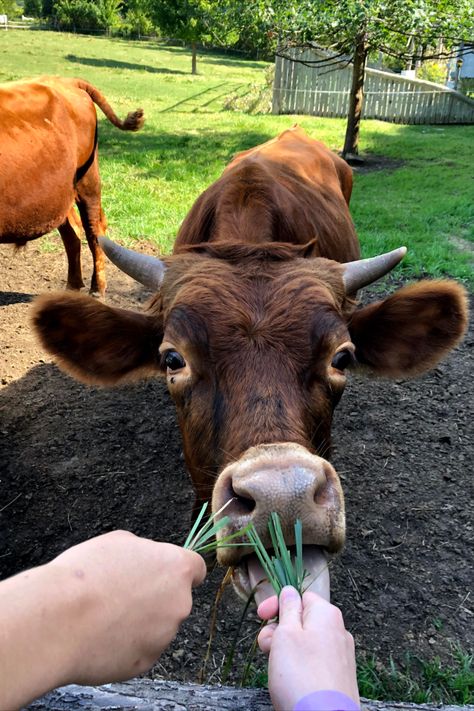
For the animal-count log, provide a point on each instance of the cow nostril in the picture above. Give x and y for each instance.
(241, 504)
(323, 488)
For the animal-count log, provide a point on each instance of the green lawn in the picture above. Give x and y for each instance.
(151, 179)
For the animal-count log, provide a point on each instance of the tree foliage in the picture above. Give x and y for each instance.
(109, 13)
(188, 20)
(9, 8)
(77, 15)
(33, 8)
(137, 21)
(405, 29)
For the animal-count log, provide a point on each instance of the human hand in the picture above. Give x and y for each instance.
(128, 598)
(310, 649)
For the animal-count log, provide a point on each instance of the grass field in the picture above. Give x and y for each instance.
(151, 179)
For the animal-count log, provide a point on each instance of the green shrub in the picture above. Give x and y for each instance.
(78, 15)
(33, 8)
(9, 8)
(433, 71)
(137, 24)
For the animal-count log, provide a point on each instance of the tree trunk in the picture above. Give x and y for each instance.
(170, 696)
(194, 59)
(356, 99)
(410, 51)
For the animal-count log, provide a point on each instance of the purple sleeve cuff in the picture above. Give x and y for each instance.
(326, 701)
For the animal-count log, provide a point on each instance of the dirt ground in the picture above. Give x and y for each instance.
(76, 461)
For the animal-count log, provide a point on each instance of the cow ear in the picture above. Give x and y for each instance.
(94, 342)
(411, 330)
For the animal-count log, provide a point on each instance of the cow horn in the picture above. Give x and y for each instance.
(365, 271)
(149, 271)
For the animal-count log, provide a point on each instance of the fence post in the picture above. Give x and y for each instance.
(276, 101)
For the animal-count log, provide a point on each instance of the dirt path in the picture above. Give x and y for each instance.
(76, 461)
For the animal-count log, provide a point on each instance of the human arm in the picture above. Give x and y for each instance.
(101, 611)
(310, 649)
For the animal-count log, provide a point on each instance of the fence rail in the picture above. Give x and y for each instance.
(302, 89)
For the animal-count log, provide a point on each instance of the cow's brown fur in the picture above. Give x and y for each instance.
(290, 189)
(258, 321)
(49, 162)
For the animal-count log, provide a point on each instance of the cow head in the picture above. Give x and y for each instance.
(255, 343)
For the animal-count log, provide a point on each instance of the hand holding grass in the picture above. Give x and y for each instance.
(101, 611)
(310, 649)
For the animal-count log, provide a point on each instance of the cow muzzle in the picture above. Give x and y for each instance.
(287, 479)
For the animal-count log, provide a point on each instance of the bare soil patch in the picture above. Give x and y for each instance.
(369, 163)
(76, 461)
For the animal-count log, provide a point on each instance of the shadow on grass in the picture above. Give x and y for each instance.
(229, 61)
(168, 151)
(204, 55)
(193, 97)
(115, 64)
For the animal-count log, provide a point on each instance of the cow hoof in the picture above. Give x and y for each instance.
(75, 287)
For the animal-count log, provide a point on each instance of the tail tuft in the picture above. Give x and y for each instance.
(134, 121)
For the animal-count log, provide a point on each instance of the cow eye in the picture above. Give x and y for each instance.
(174, 361)
(343, 359)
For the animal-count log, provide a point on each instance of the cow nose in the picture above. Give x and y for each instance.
(291, 490)
(287, 479)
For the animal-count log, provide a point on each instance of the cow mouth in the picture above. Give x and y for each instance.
(249, 575)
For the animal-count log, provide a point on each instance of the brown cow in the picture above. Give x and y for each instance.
(49, 161)
(254, 325)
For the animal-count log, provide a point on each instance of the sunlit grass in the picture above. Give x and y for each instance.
(418, 680)
(151, 179)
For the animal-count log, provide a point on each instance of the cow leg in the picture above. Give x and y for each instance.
(72, 244)
(94, 223)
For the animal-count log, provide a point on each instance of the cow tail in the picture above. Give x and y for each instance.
(134, 120)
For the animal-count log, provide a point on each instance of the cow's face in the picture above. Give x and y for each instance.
(255, 357)
(255, 353)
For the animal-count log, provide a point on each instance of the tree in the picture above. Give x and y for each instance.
(77, 15)
(109, 13)
(33, 8)
(187, 20)
(409, 30)
(137, 22)
(9, 8)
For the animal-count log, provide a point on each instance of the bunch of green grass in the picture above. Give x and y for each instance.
(202, 538)
(282, 568)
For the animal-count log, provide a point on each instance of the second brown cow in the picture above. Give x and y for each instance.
(255, 326)
(49, 162)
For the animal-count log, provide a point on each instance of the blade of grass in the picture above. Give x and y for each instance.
(300, 572)
(203, 537)
(263, 557)
(229, 659)
(284, 553)
(196, 526)
(224, 542)
(193, 542)
(283, 568)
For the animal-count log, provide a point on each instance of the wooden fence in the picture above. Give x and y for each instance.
(316, 90)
